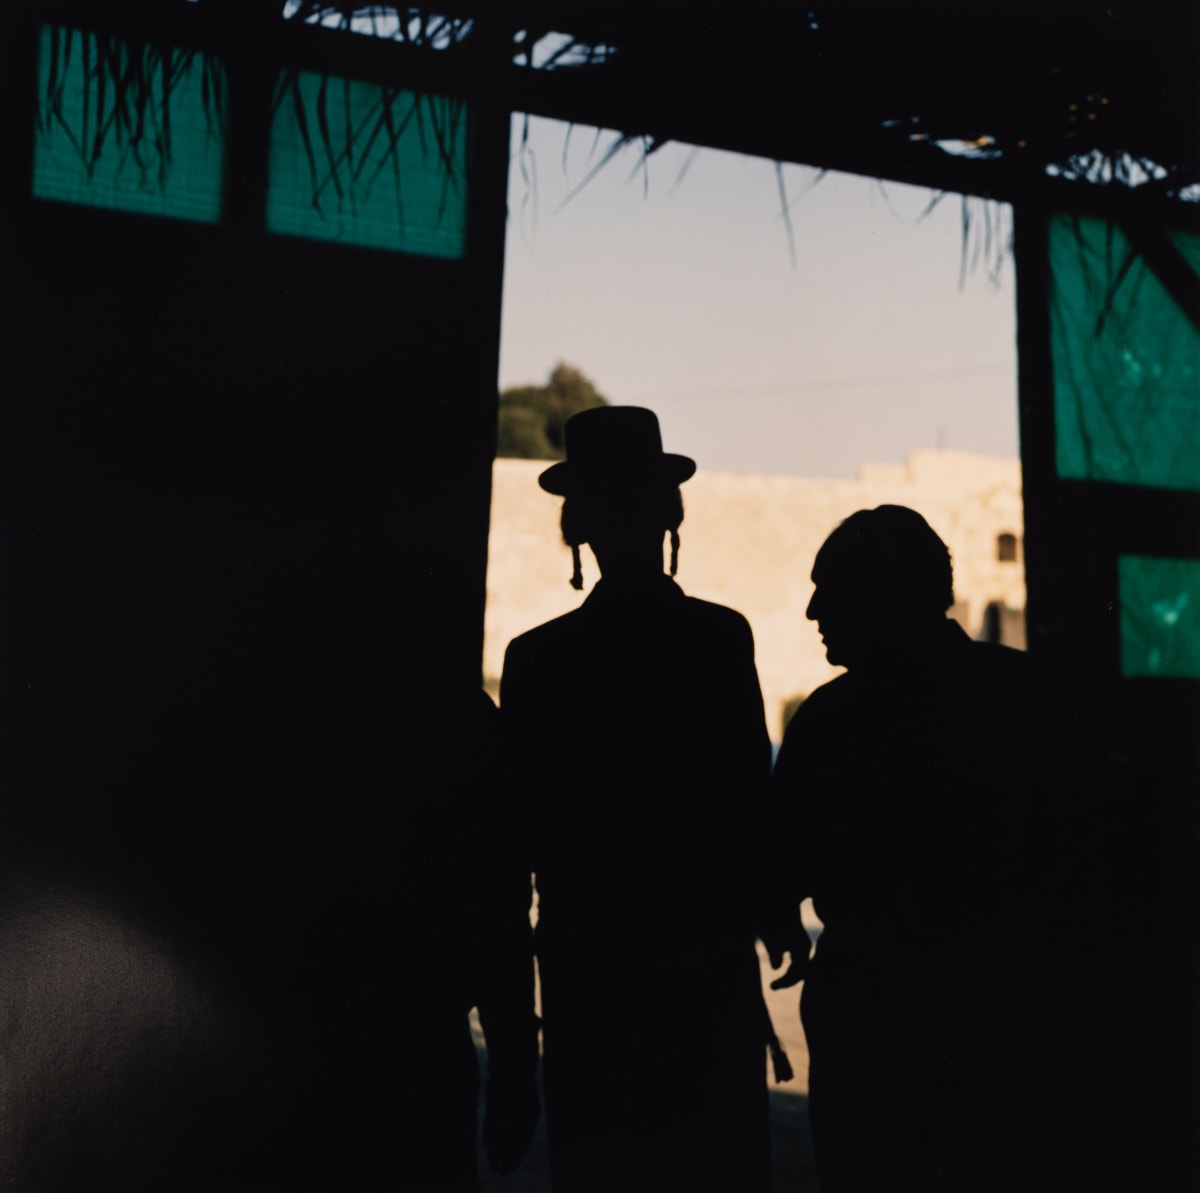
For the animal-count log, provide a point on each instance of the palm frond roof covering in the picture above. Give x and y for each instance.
(1094, 101)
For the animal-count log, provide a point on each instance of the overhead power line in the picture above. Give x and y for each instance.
(752, 391)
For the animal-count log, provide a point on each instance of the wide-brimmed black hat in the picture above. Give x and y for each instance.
(614, 447)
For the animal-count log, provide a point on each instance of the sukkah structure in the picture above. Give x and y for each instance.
(252, 262)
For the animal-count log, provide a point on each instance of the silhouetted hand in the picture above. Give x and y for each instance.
(797, 960)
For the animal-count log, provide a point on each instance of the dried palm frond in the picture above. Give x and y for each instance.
(997, 98)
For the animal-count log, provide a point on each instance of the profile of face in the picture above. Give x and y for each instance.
(849, 611)
(883, 583)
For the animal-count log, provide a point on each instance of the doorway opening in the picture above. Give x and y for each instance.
(818, 342)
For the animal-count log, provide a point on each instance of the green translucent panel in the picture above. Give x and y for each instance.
(368, 165)
(1160, 616)
(1126, 362)
(1188, 245)
(128, 126)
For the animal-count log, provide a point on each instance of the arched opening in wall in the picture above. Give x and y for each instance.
(818, 342)
(991, 622)
(1004, 625)
(1006, 547)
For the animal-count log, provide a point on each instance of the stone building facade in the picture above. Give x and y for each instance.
(749, 542)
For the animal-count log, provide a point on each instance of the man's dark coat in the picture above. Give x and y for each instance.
(919, 804)
(639, 725)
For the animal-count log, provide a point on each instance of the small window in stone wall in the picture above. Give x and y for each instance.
(1006, 547)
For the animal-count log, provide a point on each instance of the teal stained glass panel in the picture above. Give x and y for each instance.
(363, 164)
(1160, 616)
(128, 126)
(1126, 361)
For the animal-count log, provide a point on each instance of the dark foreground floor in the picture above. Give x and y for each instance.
(791, 1144)
(791, 1139)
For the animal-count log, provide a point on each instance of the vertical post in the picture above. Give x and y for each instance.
(487, 223)
(248, 35)
(1139, 795)
(18, 82)
(1035, 390)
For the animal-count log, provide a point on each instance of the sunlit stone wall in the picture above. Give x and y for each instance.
(749, 542)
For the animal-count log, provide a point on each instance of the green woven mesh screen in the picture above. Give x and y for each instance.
(364, 164)
(1126, 361)
(127, 126)
(1160, 616)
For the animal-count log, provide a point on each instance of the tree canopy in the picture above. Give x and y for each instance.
(532, 416)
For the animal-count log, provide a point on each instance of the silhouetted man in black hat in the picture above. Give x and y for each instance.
(640, 719)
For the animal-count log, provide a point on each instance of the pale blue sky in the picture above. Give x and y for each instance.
(681, 295)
